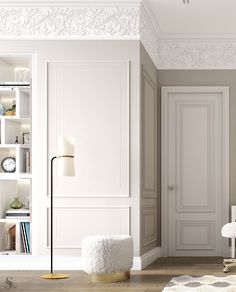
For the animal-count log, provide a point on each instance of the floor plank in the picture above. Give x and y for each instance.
(152, 279)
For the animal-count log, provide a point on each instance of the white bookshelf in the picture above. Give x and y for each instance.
(15, 124)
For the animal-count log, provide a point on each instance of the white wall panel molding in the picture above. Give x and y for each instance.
(99, 220)
(111, 113)
(196, 54)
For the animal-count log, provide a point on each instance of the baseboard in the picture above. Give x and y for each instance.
(15, 262)
(145, 260)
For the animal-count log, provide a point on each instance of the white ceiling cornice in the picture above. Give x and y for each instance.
(149, 14)
(117, 20)
(149, 34)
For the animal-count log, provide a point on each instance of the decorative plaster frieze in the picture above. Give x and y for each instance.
(190, 54)
(79, 20)
(74, 22)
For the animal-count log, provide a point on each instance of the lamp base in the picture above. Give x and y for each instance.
(54, 276)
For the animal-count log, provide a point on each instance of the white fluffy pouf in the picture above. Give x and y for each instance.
(107, 258)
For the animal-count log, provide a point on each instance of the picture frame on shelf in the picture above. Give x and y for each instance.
(26, 138)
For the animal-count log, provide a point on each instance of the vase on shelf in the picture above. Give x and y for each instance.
(16, 204)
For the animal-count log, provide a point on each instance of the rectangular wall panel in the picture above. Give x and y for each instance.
(149, 136)
(149, 225)
(90, 101)
(72, 224)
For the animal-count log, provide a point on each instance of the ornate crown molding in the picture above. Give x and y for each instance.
(71, 22)
(196, 54)
(79, 19)
(113, 19)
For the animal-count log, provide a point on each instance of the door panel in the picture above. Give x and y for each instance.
(194, 184)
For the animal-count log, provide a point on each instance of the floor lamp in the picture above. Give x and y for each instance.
(65, 158)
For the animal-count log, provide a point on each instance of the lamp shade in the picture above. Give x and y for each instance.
(66, 165)
(65, 146)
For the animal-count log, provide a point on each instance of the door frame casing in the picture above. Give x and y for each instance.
(165, 90)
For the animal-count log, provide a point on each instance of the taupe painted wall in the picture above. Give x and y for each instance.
(209, 78)
(151, 202)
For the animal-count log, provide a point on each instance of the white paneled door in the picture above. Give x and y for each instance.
(195, 170)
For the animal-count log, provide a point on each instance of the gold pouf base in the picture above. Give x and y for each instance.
(55, 276)
(110, 278)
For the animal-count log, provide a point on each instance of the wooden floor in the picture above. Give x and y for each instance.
(152, 279)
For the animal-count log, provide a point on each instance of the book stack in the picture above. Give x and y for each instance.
(25, 235)
(17, 213)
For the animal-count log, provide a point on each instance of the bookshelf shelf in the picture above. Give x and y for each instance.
(15, 146)
(7, 176)
(8, 220)
(15, 141)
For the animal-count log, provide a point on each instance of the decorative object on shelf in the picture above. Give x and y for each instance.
(27, 161)
(27, 205)
(17, 140)
(2, 110)
(11, 238)
(21, 74)
(65, 156)
(16, 204)
(8, 164)
(11, 111)
(26, 138)
(8, 241)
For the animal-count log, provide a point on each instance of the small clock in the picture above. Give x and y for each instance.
(8, 164)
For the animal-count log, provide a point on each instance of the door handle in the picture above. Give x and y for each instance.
(170, 188)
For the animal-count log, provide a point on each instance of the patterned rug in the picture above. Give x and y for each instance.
(201, 284)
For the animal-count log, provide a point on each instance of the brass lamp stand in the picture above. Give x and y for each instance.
(67, 169)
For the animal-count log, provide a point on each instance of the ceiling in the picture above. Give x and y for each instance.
(199, 18)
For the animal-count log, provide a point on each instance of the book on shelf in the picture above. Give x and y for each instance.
(27, 230)
(25, 236)
(17, 213)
